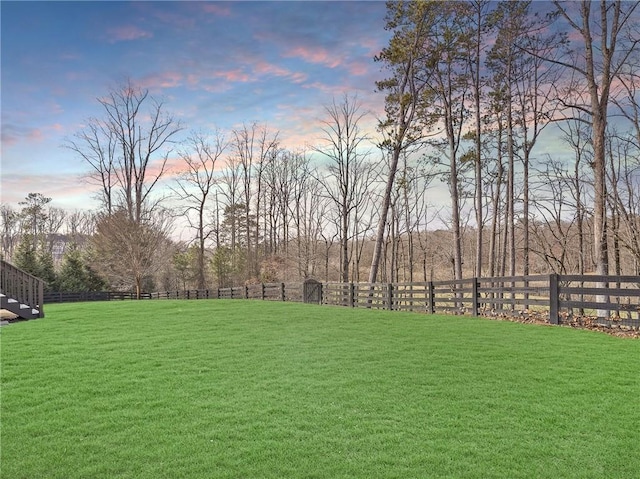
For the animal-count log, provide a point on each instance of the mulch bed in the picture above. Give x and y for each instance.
(614, 326)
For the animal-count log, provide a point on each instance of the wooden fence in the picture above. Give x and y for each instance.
(558, 297)
(264, 291)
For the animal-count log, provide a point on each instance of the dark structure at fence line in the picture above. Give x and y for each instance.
(21, 292)
(559, 296)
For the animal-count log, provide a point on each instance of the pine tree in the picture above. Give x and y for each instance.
(46, 270)
(95, 282)
(25, 256)
(73, 275)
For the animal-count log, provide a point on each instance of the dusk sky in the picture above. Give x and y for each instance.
(215, 64)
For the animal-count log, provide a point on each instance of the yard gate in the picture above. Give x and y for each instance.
(312, 291)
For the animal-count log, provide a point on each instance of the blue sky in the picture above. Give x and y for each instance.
(215, 64)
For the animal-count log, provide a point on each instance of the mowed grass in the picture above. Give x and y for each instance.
(252, 389)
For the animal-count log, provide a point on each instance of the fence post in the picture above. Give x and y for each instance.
(41, 299)
(474, 296)
(354, 298)
(246, 291)
(554, 299)
(350, 286)
(282, 291)
(431, 306)
(262, 291)
(390, 296)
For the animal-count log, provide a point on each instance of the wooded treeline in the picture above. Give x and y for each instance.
(526, 116)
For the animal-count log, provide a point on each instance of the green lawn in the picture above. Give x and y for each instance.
(252, 389)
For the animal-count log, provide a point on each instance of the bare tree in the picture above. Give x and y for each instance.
(479, 27)
(128, 149)
(80, 225)
(253, 145)
(303, 208)
(449, 91)
(495, 173)
(230, 189)
(627, 190)
(344, 145)
(504, 60)
(577, 137)
(10, 224)
(413, 186)
(532, 92)
(554, 234)
(194, 187)
(624, 196)
(96, 144)
(128, 252)
(596, 58)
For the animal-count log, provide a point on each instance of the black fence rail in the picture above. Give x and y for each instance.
(79, 296)
(72, 297)
(466, 296)
(611, 299)
(521, 294)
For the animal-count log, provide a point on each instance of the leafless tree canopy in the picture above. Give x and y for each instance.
(461, 178)
(127, 149)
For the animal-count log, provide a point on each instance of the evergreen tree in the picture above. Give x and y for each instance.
(46, 270)
(73, 273)
(94, 282)
(25, 256)
(183, 262)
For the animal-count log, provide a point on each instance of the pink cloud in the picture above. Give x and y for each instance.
(215, 9)
(13, 134)
(127, 33)
(299, 77)
(329, 90)
(216, 81)
(9, 138)
(233, 75)
(168, 79)
(358, 68)
(220, 87)
(316, 55)
(173, 167)
(264, 68)
(175, 20)
(63, 188)
(219, 81)
(372, 44)
(35, 135)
